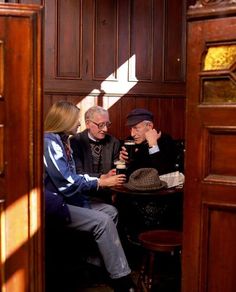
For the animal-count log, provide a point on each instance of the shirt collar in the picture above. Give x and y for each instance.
(92, 138)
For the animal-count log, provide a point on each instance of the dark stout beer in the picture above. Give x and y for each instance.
(121, 168)
(130, 148)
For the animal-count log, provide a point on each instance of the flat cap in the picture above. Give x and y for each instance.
(137, 116)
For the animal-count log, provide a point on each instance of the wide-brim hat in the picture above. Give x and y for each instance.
(145, 179)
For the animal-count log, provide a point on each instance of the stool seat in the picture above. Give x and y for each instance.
(153, 242)
(161, 240)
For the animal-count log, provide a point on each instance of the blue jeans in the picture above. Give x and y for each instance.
(101, 222)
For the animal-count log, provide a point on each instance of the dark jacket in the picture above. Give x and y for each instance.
(56, 210)
(163, 161)
(83, 155)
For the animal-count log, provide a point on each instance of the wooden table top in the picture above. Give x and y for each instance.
(161, 192)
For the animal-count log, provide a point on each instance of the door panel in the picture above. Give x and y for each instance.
(20, 148)
(209, 254)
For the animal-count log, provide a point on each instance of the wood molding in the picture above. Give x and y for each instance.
(21, 149)
(123, 47)
(211, 9)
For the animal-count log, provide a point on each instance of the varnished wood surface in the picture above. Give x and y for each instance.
(210, 173)
(123, 55)
(21, 242)
(128, 193)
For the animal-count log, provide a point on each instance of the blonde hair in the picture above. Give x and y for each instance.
(61, 117)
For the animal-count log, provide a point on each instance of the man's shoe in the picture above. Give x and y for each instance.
(124, 284)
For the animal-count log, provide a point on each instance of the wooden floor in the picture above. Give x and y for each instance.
(167, 284)
(101, 288)
(89, 278)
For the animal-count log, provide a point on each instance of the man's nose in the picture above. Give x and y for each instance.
(104, 129)
(132, 132)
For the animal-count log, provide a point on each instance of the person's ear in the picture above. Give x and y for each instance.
(150, 125)
(87, 124)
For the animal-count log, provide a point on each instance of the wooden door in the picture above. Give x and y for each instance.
(209, 247)
(20, 149)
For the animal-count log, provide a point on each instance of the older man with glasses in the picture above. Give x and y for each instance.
(94, 150)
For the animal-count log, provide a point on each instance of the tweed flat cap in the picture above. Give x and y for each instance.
(137, 116)
(145, 179)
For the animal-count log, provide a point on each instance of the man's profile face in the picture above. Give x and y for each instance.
(98, 125)
(139, 130)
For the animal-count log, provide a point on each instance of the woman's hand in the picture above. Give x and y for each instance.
(110, 173)
(115, 180)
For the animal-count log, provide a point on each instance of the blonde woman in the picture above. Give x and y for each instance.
(68, 194)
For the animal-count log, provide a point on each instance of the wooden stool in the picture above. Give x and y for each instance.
(154, 241)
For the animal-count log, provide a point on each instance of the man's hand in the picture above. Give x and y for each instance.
(123, 154)
(152, 137)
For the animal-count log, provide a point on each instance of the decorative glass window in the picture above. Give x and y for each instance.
(220, 58)
(218, 77)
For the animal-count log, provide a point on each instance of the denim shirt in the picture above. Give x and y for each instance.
(60, 176)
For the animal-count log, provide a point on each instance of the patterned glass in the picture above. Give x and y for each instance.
(219, 91)
(220, 57)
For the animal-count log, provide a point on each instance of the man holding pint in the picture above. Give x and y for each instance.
(151, 148)
(94, 150)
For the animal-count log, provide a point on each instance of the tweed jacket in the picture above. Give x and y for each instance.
(83, 155)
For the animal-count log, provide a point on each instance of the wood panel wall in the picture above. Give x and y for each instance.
(169, 111)
(39, 2)
(118, 54)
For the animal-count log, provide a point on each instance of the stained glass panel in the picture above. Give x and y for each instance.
(220, 57)
(219, 91)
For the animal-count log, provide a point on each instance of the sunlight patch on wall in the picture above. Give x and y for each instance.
(111, 91)
(122, 85)
(15, 214)
(34, 201)
(85, 104)
(18, 277)
(109, 102)
(2, 241)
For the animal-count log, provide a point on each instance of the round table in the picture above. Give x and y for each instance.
(141, 211)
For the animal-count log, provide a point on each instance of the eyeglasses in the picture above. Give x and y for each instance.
(102, 125)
